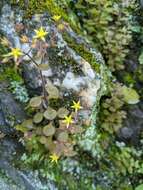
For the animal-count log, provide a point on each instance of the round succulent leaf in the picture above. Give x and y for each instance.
(139, 187)
(39, 131)
(38, 117)
(52, 91)
(50, 144)
(49, 130)
(28, 124)
(50, 113)
(62, 112)
(48, 141)
(130, 95)
(43, 140)
(43, 67)
(35, 101)
(62, 125)
(21, 128)
(63, 136)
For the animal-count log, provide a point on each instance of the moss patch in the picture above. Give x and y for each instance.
(82, 51)
(10, 74)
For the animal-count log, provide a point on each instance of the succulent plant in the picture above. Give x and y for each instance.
(112, 115)
(48, 126)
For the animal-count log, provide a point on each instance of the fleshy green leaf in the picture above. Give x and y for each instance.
(140, 187)
(43, 140)
(38, 117)
(63, 136)
(52, 91)
(21, 128)
(28, 124)
(49, 130)
(50, 113)
(35, 102)
(62, 112)
(130, 95)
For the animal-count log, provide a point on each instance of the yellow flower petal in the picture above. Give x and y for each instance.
(56, 17)
(76, 106)
(68, 120)
(40, 34)
(54, 158)
(15, 53)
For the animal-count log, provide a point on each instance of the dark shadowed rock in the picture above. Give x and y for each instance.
(141, 3)
(11, 112)
(32, 79)
(133, 125)
(127, 132)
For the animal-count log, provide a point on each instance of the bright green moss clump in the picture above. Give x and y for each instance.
(41, 6)
(10, 74)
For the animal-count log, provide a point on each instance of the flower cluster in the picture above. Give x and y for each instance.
(52, 128)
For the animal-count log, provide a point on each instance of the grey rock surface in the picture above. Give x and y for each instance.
(133, 125)
(11, 112)
(15, 178)
(32, 79)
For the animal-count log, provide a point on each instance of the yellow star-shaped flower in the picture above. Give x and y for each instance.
(76, 106)
(56, 17)
(54, 158)
(68, 120)
(40, 34)
(15, 53)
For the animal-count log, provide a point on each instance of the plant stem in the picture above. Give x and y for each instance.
(42, 78)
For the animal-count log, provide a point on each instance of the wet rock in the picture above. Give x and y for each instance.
(11, 112)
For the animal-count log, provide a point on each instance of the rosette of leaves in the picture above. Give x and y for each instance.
(111, 114)
(47, 127)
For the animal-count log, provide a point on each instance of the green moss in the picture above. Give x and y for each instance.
(31, 7)
(44, 5)
(10, 74)
(82, 51)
